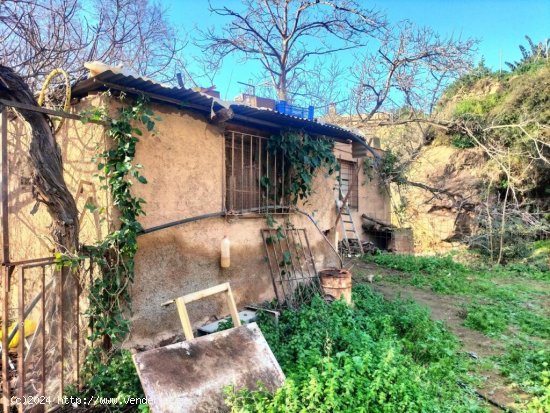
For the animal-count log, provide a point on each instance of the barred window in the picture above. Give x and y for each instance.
(347, 182)
(254, 176)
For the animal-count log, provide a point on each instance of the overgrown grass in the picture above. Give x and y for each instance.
(502, 302)
(525, 362)
(376, 356)
(477, 106)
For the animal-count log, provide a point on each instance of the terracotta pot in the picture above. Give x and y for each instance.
(336, 282)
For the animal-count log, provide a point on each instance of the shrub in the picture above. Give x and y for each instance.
(462, 141)
(116, 379)
(477, 106)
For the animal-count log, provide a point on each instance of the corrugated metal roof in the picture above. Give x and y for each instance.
(109, 80)
(202, 102)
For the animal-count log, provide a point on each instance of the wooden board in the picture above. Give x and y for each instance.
(190, 376)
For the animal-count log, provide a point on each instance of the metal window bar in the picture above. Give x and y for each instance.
(255, 178)
(291, 264)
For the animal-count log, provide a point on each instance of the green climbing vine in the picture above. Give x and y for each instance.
(303, 157)
(109, 299)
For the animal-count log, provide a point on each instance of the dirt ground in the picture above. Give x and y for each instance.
(449, 310)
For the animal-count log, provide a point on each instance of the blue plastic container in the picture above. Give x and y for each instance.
(283, 107)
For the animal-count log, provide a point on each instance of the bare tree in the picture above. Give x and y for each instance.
(284, 35)
(410, 69)
(38, 36)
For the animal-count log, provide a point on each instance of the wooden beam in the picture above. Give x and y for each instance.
(189, 298)
(184, 319)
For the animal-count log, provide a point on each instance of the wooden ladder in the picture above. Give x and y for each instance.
(348, 226)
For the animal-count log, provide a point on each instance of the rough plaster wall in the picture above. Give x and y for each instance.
(184, 165)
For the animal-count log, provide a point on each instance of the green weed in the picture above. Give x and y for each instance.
(541, 403)
(524, 362)
(502, 304)
(492, 320)
(477, 106)
(377, 356)
(116, 379)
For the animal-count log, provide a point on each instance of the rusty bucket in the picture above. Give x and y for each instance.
(336, 283)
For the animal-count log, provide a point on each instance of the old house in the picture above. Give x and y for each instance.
(204, 165)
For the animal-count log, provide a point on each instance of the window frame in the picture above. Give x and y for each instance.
(249, 173)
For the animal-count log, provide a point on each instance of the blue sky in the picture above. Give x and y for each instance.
(500, 25)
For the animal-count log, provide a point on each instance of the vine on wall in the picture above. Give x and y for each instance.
(303, 157)
(109, 298)
(107, 368)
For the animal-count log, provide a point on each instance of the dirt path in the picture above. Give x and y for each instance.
(448, 309)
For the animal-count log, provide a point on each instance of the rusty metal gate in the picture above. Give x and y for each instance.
(291, 263)
(43, 331)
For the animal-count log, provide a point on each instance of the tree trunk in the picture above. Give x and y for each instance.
(49, 188)
(48, 183)
(281, 87)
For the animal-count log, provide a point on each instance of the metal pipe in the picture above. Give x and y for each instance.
(6, 396)
(224, 213)
(294, 267)
(270, 267)
(52, 112)
(62, 278)
(181, 222)
(21, 344)
(27, 311)
(321, 232)
(43, 335)
(5, 178)
(273, 242)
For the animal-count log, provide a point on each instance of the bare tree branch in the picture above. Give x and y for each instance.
(284, 35)
(38, 36)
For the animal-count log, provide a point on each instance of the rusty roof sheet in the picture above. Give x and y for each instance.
(201, 102)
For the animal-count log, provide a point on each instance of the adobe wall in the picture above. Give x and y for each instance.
(184, 165)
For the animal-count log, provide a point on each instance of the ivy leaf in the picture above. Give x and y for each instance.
(90, 207)
(142, 179)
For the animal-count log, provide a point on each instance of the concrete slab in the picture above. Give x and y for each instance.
(190, 376)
